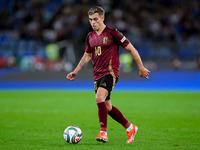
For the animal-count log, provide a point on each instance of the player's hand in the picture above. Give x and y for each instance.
(71, 76)
(144, 73)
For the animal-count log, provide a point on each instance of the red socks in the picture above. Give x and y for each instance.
(114, 113)
(118, 116)
(102, 113)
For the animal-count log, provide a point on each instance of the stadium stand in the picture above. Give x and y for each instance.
(166, 33)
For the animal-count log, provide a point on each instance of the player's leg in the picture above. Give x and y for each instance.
(102, 109)
(103, 87)
(102, 114)
(116, 114)
(109, 105)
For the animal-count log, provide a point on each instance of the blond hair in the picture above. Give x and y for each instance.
(96, 9)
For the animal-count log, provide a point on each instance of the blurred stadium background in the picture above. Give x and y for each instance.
(44, 39)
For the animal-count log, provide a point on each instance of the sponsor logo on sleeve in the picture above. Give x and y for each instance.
(123, 39)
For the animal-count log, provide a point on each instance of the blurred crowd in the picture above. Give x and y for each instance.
(50, 34)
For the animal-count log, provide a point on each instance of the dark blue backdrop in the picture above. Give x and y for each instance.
(158, 81)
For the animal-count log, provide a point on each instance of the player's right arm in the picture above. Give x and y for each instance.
(84, 60)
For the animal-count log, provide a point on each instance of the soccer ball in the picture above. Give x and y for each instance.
(72, 134)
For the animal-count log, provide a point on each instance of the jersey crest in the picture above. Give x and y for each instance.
(105, 40)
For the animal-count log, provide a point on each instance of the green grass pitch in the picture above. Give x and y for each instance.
(36, 120)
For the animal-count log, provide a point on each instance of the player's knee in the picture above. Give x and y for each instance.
(100, 99)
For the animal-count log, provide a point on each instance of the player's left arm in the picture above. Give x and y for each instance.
(143, 71)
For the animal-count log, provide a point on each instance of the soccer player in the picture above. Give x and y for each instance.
(102, 46)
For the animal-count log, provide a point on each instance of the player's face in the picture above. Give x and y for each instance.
(96, 21)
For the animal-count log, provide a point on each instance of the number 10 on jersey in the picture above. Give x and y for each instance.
(98, 50)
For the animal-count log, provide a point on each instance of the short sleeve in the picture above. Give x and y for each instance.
(122, 40)
(87, 45)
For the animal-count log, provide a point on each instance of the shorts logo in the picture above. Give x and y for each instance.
(104, 84)
(105, 40)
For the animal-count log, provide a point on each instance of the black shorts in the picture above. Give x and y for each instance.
(108, 82)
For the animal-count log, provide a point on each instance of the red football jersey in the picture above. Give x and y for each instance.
(105, 51)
